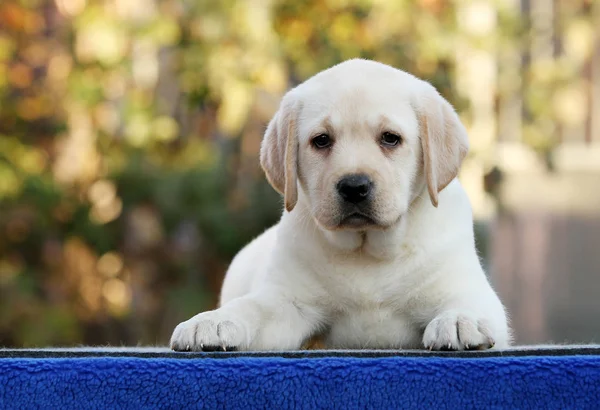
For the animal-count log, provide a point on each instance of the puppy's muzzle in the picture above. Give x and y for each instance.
(355, 188)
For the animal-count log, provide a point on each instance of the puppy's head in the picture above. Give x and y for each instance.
(360, 140)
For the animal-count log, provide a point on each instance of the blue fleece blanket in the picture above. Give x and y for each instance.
(167, 381)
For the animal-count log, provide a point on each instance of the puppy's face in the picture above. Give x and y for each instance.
(359, 140)
(358, 153)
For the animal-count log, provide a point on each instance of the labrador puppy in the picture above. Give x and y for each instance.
(375, 248)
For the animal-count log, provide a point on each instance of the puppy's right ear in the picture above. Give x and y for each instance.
(279, 153)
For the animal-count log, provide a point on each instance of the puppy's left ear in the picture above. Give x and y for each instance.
(279, 152)
(444, 141)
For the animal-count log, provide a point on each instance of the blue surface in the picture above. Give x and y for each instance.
(568, 382)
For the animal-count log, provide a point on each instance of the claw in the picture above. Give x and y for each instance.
(187, 348)
(224, 348)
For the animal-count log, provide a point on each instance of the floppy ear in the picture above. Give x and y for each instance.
(444, 142)
(279, 153)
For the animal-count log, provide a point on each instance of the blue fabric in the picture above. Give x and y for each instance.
(568, 382)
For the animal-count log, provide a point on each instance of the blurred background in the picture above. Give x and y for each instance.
(130, 130)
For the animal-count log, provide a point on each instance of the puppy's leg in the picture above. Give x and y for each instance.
(261, 321)
(460, 329)
(468, 321)
(463, 311)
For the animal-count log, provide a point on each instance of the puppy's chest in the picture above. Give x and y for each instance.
(371, 306)
(365, 287)
(381, 328)
(365, 295)
(372, 314)
(363, 282)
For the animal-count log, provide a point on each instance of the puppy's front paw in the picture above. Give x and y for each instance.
(208, 331)
(458, 330)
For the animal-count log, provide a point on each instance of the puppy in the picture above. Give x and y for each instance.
(375, 248)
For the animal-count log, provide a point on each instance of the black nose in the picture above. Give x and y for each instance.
(354, 188)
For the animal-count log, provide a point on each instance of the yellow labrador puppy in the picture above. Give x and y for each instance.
(375, 248)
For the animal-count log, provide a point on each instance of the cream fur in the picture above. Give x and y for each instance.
(411, 280)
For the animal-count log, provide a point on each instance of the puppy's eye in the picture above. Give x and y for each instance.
(321, 141)
(389, 139)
